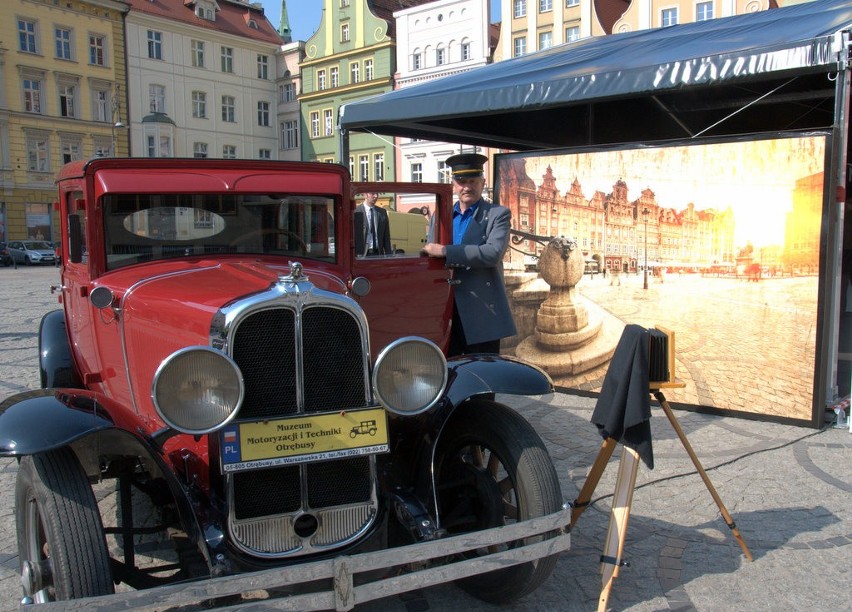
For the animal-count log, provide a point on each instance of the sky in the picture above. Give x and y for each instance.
(305, 15)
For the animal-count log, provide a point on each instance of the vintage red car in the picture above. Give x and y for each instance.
(219, 350)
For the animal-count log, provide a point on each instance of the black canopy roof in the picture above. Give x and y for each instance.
(766, 71)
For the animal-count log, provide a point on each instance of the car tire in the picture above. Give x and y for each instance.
(494, 469)
(59, 529)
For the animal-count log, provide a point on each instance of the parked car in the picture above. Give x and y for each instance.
(5, 258)
(278, 402)
(31, 252)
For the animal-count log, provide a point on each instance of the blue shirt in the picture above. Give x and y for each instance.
(461, 220)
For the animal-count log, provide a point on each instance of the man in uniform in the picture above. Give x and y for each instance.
(481, 315)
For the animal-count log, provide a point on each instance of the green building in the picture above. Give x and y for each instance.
(350, 57)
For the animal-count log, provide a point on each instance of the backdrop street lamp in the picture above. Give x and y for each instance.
(645, 212)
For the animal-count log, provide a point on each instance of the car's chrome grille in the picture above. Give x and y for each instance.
(335, 499)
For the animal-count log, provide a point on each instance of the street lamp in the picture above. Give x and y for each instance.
(645, 212)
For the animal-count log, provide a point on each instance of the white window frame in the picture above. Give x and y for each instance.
(229, 151)
(263, 67)
(196, 50)
(704, 11)
(67, 100)
(378, 167)
(263, 113)
(290, 135)
(545, 40)
(98, 50)
(354, 73)
(199, 150)
(334, 75)
(227, 59)
(155, 44)
(321, 82)
(315, 124)
(229, 109)
(416, 172)
(519, 46)
(669, 16)
(545, 6)
(368, 69)
(328, 122)
(64, 43)
(28, 36)
(519, 9)
(364, 167)
(199, 104)
(157, 98)
(38, 153)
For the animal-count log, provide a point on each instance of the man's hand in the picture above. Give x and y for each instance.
(434, 250)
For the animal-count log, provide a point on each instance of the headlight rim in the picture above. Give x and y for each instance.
(180, 352)
(383, 355)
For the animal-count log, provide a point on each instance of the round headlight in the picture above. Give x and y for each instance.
(410, 375)
(197, 389)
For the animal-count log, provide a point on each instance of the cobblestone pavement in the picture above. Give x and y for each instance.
(788, 489)
(742, 346)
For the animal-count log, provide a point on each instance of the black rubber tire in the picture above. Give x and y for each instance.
(58, 525)
(493, 469)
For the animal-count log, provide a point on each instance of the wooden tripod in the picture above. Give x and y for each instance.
(611, 559)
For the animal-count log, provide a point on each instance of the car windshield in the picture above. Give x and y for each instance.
(148, 227)
(38, 245)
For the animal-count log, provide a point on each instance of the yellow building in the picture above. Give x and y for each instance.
(534, 25)
(61, 100)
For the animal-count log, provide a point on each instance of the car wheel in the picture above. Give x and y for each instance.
(493, 469)
(61, 541)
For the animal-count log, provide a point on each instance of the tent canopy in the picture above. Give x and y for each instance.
(766, 71)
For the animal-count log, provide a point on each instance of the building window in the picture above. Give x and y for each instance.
(328, 122)
(229, 109)
(264, 154)
(155, 45)
(199, 105)
(32, 95)
(227, 59)
(97, 50)
(417, 173)
(199, 150)
(63, 44)
(67, 106)
(703, 11)
(354, 73)
(70, 152)
(263, 114)
(416, 61)
(335, 77)
(440, 56)
(519, 9)
(364, 167)
(520, 46)
(344, 32)
(545, 40)
(27, 36)
(158, 145)
(668, 17)
(101, 105)
(288, 92)
(344, 3)
(197, 51)
(545, 5)
(315, 124)
(368, 70)
(290, 135)
(229, 152)
(465, 51)
(157, 98)
(320, 80)
(444, 174)
(263, 67)
(379, 167)
(572, 33)
(570, 3)
(351, 166)
(38, 158)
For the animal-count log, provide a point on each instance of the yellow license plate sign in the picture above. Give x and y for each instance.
(317, 437)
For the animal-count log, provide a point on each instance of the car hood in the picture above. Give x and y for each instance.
(172, 307)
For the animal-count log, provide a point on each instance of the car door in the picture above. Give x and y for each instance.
(408, 294)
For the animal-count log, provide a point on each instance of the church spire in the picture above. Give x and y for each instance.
(284, 27)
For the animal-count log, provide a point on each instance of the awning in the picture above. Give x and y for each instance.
(763, 71)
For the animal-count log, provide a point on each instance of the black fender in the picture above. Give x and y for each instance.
(38, 421)
(45, 419)
(473, 375)
(55, 362)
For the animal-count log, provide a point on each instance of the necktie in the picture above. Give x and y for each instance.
(373, 229)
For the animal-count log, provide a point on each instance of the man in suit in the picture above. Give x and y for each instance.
(375, 228)
(481, 315)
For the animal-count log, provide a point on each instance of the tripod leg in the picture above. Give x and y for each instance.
(680, 434)
(617, 532)
(582, 502)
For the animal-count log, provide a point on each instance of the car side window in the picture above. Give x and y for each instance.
(398, 230)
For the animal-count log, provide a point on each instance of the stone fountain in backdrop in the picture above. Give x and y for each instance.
(571, 334)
